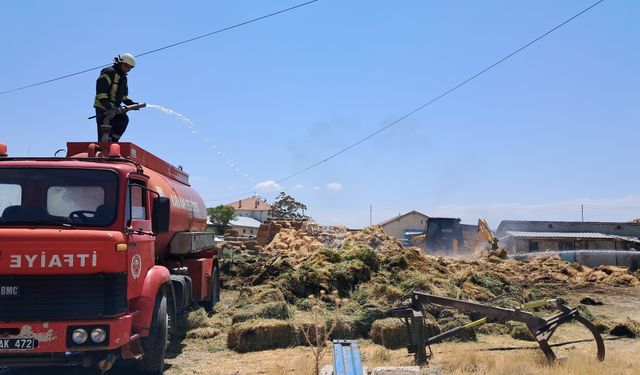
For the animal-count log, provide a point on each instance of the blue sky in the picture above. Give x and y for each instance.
(549, 130)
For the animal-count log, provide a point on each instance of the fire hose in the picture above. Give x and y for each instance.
(108, 115)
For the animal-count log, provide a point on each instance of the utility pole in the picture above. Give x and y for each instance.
(582, 209)
(370, 215)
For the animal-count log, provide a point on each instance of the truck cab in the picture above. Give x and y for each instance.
(95, 257)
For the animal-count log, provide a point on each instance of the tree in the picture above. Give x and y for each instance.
(286, 207)
(222, 215)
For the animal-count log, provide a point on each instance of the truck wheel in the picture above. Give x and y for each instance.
(214, 294)
(155, 345)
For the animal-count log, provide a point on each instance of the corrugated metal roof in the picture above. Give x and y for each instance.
(575, 235)
(243, 221)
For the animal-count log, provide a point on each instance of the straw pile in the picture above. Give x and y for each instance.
(375, 272)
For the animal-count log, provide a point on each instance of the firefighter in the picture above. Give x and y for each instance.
(111, 92)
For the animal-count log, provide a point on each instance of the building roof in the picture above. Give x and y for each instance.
(572, 235)
(243, 221)
(251, 204)
(610, 228)
(401, 216)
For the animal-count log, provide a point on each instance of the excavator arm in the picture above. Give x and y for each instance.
(485, 233)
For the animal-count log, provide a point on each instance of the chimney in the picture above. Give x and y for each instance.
(257, 200)
(240, 203)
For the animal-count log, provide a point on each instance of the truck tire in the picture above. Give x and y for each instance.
(214, 294)
(155, 345)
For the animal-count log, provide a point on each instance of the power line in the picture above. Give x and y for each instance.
(366, 138)
(163, 48)
(411, 113)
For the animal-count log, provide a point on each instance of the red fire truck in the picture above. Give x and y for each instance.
(100, 251)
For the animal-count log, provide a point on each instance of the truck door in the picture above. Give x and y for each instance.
(141, 255)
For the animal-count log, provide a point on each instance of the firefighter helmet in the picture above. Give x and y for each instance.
(126, 58)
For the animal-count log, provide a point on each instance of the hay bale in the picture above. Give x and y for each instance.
(341, 326)
(345, 328)
(255, 335)
(584, 311)
(308, 333)
(263, 295)
(386, 292)
(203, 333)
(365, 318)
(602, 324)
(390, 333)
(520, 331)
(197, 319)
(274, 310)
(630, 328)
(494, 329)
(590, 302)
(467, 334)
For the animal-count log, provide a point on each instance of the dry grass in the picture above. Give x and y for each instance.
(303, 365)
(379, 357)
(466, 359)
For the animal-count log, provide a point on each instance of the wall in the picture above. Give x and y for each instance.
(261, 216)
(396, 227)
(521, 245)
(246, 231)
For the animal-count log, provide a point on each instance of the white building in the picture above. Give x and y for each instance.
(246, 226)
(254, 207)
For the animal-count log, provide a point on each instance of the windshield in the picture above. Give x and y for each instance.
(49, 196)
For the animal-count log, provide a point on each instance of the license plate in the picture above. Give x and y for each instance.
(18, 344)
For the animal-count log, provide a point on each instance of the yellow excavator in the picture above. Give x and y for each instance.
(485, 233)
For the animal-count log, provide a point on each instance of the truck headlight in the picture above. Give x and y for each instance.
(98, 335)
(80, 336)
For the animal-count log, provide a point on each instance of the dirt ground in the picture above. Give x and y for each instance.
(211, 357)
(449, 358)
(309, 278)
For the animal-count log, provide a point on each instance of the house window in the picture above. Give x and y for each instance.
(534, 246)
(566, 245)
(244, 231)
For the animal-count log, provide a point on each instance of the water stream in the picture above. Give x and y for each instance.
(194, 130)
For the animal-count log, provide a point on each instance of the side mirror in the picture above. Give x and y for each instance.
(161, 215)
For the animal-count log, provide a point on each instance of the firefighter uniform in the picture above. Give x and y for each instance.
(112, 86)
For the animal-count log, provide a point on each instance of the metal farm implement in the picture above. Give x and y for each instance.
(541, 328)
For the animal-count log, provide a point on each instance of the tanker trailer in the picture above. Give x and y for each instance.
(100, 252)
